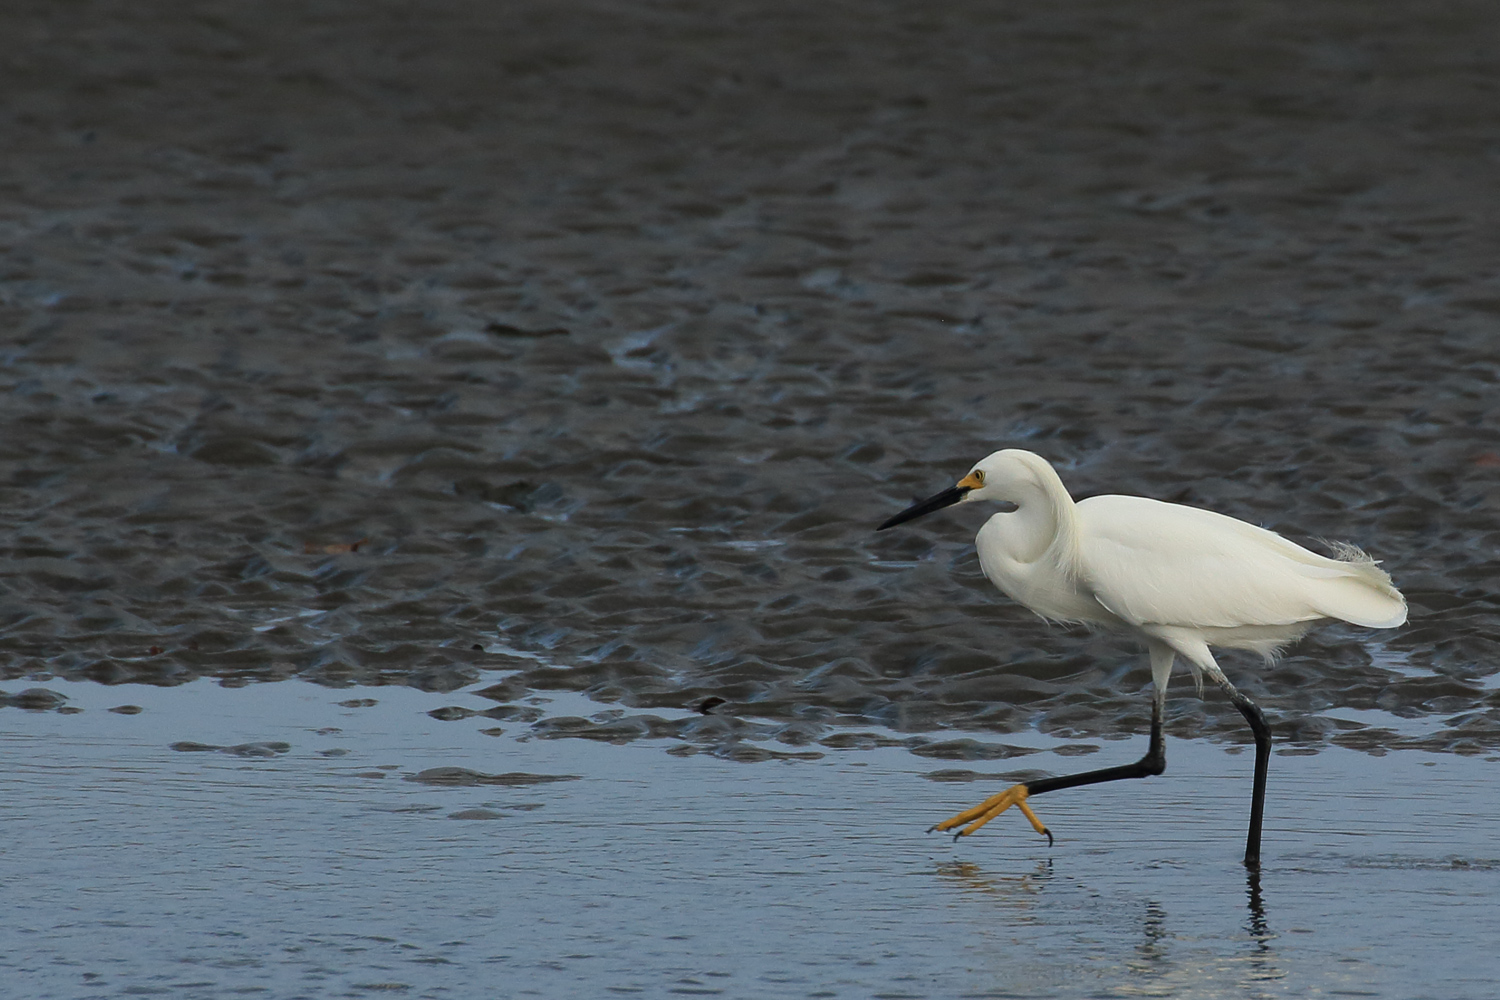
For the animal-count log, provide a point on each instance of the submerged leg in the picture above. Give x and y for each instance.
(1253, 715)
(1153, 763)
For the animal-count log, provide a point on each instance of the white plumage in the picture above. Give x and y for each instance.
(1180, 578)
(1177, 576)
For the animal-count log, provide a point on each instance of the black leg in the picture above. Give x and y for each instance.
(1253, 715)
(1155, 762)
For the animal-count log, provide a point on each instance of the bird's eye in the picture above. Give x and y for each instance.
(979, 476)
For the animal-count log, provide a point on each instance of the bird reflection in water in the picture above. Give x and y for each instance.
(1259, 929)
(1016, 891)
(1153, 931)
(1023, 891)
(1257, 924)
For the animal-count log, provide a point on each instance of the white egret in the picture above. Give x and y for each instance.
(1180, 578)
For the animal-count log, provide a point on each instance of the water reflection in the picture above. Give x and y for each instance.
(1262, 956)
(1166, 947)
(1019, 891)
(1257, 926)
(1153, 946)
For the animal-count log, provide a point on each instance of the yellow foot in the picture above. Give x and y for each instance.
(989, 809)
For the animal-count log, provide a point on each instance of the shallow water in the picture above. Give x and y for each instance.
(459, 356)
(325, 870)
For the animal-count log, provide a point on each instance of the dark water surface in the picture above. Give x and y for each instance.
(573, 350)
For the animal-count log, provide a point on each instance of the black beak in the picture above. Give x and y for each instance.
(947, 498)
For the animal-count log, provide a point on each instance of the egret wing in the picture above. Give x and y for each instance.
(1155, 563)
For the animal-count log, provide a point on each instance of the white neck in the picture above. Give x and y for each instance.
(1044, 519)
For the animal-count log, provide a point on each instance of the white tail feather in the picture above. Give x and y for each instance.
(1362, 594)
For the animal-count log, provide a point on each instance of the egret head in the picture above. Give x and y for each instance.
(1005, 476)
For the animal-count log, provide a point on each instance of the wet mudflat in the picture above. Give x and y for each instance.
(546, 365)
(353, 851)
(396, 345)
